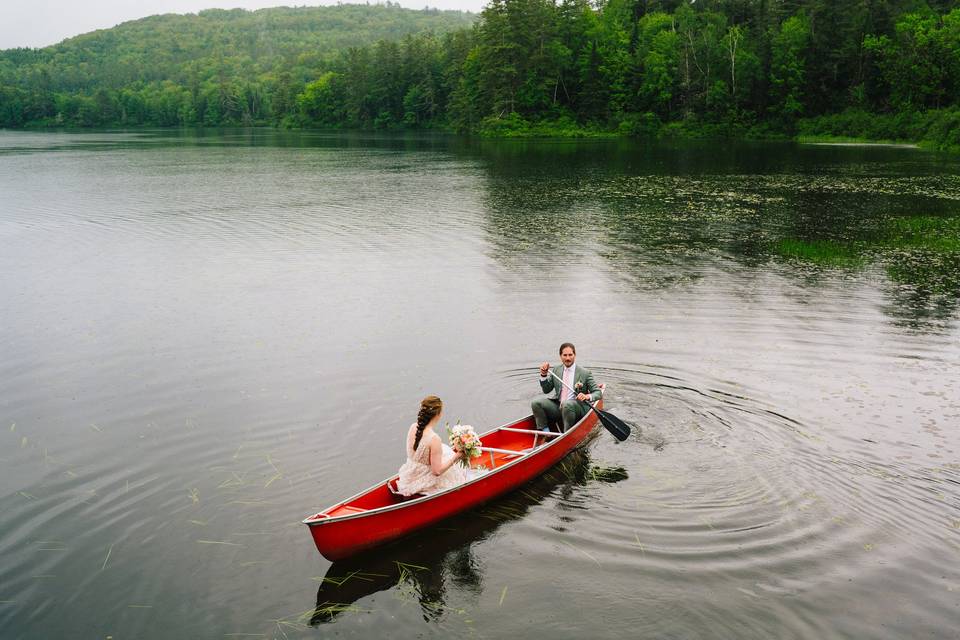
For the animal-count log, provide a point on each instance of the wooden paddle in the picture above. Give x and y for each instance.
(613, 424)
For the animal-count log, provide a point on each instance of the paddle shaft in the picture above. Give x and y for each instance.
(613, 424)
(569, 389)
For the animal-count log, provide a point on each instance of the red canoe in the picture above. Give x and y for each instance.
(514, 453)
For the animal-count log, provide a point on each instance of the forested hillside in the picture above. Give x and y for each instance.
(868, 68)
(215, 67)
(863, 68)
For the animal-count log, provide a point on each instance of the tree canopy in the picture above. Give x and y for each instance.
(628, 66)
(214, 67)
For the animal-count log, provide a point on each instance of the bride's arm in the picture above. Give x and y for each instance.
(437, 465)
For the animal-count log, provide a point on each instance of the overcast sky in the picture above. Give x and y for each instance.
(38, 23)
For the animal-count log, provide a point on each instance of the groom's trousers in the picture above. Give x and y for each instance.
(548, 412)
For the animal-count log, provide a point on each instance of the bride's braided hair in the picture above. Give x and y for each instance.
(429, 408)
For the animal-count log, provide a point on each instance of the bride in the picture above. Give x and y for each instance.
(431, 465)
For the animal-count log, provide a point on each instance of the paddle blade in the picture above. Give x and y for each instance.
(613, 424)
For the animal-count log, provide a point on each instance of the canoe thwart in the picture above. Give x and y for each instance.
(509, 452)
(533, 432)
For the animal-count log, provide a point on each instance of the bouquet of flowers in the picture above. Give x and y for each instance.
(464, 438)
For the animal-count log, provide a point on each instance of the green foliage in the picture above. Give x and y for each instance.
(321, 101)
(936, 129)
(927, 232)
(883, 69)
(657, 57)
(821, 252)
(923, 251)
(213, 68)
(942, 130)
(513, 125)
(787, 67)
(920, 62)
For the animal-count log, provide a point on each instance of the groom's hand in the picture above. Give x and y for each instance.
(544, 368)
(583, 397)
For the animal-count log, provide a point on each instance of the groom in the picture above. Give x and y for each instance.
(559, 401)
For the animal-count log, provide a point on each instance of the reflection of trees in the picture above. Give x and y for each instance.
(423, 565)
(295, 139)
(657, 213)
(544, 200)
(925, 287)
(538, 202)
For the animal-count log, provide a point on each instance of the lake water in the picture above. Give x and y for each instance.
(206, 338)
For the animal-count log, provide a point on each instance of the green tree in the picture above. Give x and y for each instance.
(322, 101)
(920, 62)
(788, 63)
(657, 56)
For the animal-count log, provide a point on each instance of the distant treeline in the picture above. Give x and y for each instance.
(214, 68)
(865, 68)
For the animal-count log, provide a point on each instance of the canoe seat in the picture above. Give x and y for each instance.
(392, 488)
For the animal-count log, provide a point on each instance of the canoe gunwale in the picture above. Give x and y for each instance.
(319, 519)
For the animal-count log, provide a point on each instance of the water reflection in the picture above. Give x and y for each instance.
(780, 320)
(924, 289)
(663, 216)
(425, 565)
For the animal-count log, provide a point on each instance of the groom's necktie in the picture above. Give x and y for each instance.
(567, 384)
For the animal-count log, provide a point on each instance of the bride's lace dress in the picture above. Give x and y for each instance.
(417, 477)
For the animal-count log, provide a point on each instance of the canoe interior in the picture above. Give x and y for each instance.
(380, 496)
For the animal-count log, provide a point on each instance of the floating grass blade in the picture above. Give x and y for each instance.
(359, 575)
(236, 481)
(329, 609)
(223, 542)
(107, 559)
(503, 594)
(271, 480)
(640, 544)
(581, 551)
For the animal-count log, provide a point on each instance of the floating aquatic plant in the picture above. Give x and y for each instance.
(608, 474)
(821, 252)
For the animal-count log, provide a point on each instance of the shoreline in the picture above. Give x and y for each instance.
(668, 133)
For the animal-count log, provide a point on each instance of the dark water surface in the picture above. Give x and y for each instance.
(205, 339)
